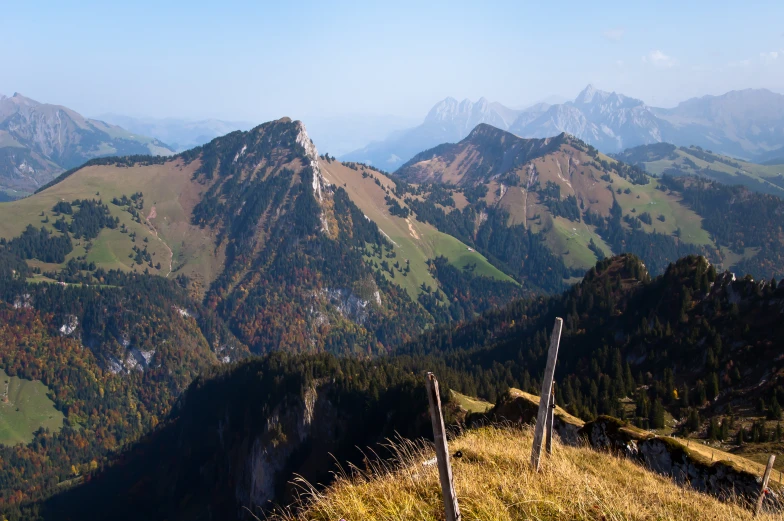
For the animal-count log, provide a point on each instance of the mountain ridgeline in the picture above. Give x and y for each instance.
(250, 223)
(294, 277)
(39, 140)
(667, 159)
(747, 124)
(572, 205)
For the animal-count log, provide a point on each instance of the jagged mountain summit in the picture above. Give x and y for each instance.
(448, 121)
(40, 140)
(607, 120)
(746, 124)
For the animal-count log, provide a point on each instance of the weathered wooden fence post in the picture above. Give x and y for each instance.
(442, 450)
(544, 401)
(764, 487)
(548, 443)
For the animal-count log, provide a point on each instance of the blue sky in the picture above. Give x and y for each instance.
(256, 60)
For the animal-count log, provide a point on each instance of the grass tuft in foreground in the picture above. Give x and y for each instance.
(494, 482)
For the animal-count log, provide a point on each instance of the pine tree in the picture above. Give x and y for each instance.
(657, 415)
(684, 396)
(693, 423)
(714, 432)
(669, 384)
(712, 390)
(702, 395)
(643, 409)
(629, 379)
(774, 412)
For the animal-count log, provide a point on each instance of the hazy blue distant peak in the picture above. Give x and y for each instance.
(465, 115)
(590, 95)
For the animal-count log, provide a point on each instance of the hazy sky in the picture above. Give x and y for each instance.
(256, 61)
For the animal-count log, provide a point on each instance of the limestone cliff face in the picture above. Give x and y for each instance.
(671, 458)
(291, 427)
(719, 479)
(660, 454)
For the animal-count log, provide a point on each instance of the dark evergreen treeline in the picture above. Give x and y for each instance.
(86, 222)
(656, 249)
(463, 294)
(514, 249)
(196, 462)
(550, 196)
(691, 342)
(738, 219)
(91, 217)
(41, 244)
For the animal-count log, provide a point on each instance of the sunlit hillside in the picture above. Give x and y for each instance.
(493, 480)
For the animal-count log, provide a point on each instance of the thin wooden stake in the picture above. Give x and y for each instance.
(547, 385)
(548, 443)
(764, 487)
(451, 509)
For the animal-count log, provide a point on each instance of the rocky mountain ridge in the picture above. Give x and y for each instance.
(609, 121)
(39, 140)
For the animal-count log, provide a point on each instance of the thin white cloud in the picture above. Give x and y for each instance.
(614, 35)
(741, 63)
(772, 56)
(659, 59)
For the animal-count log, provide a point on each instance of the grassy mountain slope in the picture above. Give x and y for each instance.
(558, 189)
(161, 223)
(493, 480)
(236, 221)
(25, 408)
(411, 239)
(663, 158)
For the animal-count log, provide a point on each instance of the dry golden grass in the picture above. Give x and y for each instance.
(493, 481)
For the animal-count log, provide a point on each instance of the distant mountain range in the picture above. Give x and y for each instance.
(335, 135)
(180, 134)
(448, 122)
(39, 140)
(748, 124)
